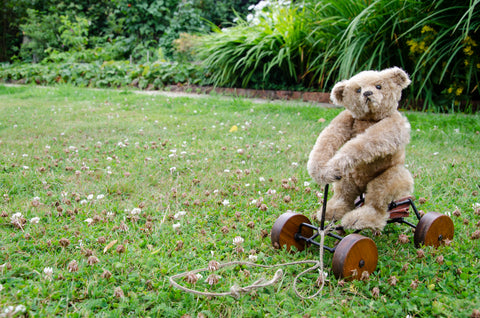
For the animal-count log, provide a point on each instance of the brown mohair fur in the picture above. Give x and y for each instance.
(363, 149)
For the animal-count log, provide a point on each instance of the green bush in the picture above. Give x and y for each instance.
(106, 74)
(274, 45)
(316, 43)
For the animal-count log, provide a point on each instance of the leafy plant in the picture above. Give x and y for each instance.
(272, 45)
(40, 34)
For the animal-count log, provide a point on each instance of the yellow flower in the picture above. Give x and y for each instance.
(478, 65)
(234, 128)
(427, 28)
(466, 62)
(450, 90)
(459, 91)
(468, 50)
(469, 41)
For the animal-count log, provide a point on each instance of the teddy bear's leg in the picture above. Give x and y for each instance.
(342, 201)
(393, 184)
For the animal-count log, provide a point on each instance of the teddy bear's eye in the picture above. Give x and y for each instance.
(379, 86)
(359, 90)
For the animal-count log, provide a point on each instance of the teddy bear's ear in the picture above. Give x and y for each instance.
(337, 93)
(398, 76)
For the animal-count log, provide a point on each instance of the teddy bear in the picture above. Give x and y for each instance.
(362, 150)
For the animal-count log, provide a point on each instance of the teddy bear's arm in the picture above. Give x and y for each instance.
(384, 138)
(328, 142)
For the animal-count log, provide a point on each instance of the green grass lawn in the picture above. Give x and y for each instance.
(106, 194)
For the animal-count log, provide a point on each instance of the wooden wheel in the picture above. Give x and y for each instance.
(285, 228)
(433, 229)
(354, 255)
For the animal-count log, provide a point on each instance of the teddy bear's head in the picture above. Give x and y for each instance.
(371, 95)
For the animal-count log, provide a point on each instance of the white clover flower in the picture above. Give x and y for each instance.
(16, 216)
(89, 221)
(173, 169)
(135, 211)
(225, 202)
(179, 214)
(253, 202)
(48, 271)
(90, 197)
(306, 184)
(100, 196)
(271, 191)
(261, 179)
(252, 258)
(295, 164)
(35, 220)
(82, 202)
(176, 226)
(238, 240)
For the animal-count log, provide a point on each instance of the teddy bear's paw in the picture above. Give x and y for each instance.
(336, 209)
(364, 217)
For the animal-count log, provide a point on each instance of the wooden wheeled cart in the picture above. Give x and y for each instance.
(355, 253)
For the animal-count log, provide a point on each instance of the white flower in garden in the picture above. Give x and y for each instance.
(48, 271)
(252, 258)
(136, 211)
(173, 169)
(90, 197)
(238, 240)
(295, 164)
(179, 214)
(83, 202)
(17, 219)
(35, 220)
(89, 221)
(100, 196)
(225, 202)
(176, 226)
(306, 184)
(261, 179)
(271, 191)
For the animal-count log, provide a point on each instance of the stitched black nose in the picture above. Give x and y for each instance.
(367, 93)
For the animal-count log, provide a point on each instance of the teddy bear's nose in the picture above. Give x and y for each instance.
(367, 93)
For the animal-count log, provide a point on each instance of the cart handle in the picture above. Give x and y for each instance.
(324, 207)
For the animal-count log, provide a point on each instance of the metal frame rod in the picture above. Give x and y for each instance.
(324, 208)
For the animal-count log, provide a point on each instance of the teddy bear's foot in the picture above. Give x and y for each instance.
(336, 209)
(365, 217)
